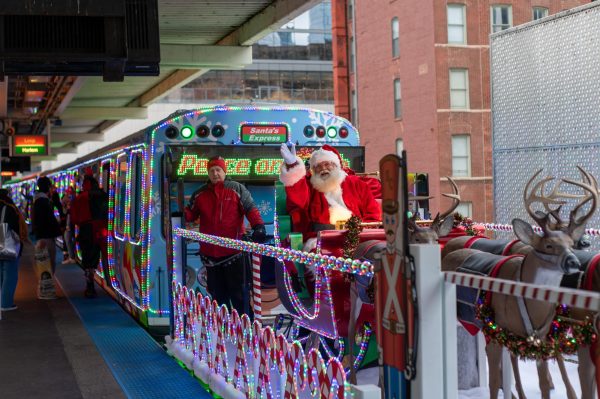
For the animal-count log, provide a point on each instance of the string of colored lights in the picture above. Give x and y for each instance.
(330, 263)
(508, 227)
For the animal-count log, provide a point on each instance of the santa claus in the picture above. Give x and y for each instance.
(327, 194)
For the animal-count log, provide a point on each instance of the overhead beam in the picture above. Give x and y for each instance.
(74, 89)
(185, 56)
(76, 137)
(268, 20)
(64, 150)
(171, 83)
(105, 113)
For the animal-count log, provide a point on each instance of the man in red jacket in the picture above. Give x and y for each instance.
(89, 211)
(328, 194)
(221, 205)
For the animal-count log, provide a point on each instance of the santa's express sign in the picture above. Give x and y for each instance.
(271, 134)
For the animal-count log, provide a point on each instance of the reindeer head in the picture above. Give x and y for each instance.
(441, 225)
(558, 238)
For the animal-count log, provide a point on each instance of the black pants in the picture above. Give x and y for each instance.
(225, 282)
(91, 251)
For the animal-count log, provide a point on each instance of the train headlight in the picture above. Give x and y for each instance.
(202, 131)
(187, 132)
(309, 131)
(331, 132)
(320, 131)
(218, 131)
(171, 132)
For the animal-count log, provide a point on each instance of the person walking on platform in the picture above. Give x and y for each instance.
(220, 205)
(9, 269)
(45, 226)
(69, 235)
(89, 211)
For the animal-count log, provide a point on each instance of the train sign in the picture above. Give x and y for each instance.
(29, 145)
(255, 133)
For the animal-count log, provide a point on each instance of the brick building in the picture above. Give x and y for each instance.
(418, 76)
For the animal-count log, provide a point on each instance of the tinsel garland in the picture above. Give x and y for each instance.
(564, 337)
(354, 228)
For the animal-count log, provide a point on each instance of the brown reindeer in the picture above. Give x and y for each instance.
(550, 258)
(441, 225)
(508, 247)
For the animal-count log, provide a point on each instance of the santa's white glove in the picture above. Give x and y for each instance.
(288, 154)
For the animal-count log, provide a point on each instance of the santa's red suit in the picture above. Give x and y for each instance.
(311, 208)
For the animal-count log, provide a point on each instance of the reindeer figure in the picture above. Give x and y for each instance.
(551, 257)
(512, 247)
(441, 225)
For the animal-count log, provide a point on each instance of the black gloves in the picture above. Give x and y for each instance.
(259, 234)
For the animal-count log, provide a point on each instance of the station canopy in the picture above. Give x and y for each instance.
(195, 37)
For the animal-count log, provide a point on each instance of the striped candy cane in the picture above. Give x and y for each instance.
(201, 319)
(295, 367)
(240, 379)
(208, 332)
(266, 344)
(256, 287)
(335, 372)
(279, 353)
(221, 351)
(317, 374)
(256, 334)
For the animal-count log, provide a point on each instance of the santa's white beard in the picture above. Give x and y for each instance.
(330, 183)
(331, 187)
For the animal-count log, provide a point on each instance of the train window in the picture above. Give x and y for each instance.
(120, 196)
(135, 218)
(105, 176)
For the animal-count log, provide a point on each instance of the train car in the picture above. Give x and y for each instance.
(149, 174)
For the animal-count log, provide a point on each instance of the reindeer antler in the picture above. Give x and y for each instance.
(531, 197)
(590, 185)
(455, 196)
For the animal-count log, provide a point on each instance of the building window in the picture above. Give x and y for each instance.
(501, 18)
(459, 89)
(465, 209)
(461, 155)
(539, 13)
(352, 59)
(457, 33)
(395, 37)
(397, 99)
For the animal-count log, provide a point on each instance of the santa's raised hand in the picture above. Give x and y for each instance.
(288, 154)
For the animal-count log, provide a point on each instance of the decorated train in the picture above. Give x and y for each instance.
(150, 174)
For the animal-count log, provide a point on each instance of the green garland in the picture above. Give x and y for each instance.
(353, 225)
(564, 337)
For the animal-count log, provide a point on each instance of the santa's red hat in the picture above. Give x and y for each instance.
(325, 153)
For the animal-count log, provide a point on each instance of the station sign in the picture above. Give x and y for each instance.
(247, 162)
(29, 145)
(255, 133)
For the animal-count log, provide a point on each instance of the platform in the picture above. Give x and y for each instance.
(74, 347)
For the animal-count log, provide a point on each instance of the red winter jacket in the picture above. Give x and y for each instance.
(221, 208)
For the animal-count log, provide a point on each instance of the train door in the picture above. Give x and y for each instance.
(107, 184)
(127, 227)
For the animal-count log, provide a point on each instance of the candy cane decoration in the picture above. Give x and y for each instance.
(248, 348)
(240, 379)
(256, 334)
(208, 332)
(279, 353)
(202, 326)
(295, 367)
(221, 366)
(266, 344)
(256, 287)
(317, 374)
(335, 372)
